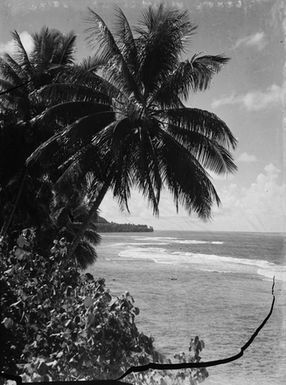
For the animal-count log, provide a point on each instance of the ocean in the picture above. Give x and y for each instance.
(216, 285)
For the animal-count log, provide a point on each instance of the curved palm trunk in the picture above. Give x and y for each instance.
(91, 215)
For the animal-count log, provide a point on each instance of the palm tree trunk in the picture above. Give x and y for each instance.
(90, 217)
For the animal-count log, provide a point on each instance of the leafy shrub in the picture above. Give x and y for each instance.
(177, 377)
(58, 324)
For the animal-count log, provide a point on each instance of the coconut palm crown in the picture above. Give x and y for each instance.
(26, 198)
(22, 74)
(143, 135)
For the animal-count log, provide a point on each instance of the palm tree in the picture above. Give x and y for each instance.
(26, 197)
(69, 213)
(21, 77)
(143, 135)
(24, 73)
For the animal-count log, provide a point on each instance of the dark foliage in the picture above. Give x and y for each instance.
(67, 321)
(141, 134)
(58, 324)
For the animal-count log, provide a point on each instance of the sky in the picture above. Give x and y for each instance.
(248, 94)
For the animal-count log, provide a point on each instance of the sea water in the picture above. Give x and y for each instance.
(215, 285)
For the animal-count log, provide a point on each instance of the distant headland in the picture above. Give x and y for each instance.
(103, 226)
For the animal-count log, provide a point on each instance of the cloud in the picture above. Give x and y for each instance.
(256, 40)
(257, 207)
(177, 4)
(218, 3)
(10, 47)
(146, 3)
(220, 177)
(246, 158)
(254, 100)
(245, 4)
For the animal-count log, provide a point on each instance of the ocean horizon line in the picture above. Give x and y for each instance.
(225, 231)
(203, 231)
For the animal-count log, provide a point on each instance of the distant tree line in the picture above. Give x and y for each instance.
(112, 227)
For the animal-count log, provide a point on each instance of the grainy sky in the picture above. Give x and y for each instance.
(247, 95)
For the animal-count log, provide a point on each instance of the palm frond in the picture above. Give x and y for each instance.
(81, 75)
(127, 42)
(59, 92)
(78, 110)
(46, 149)
(21, 55)
(83, 130)
(161, 41)
(122, 160)
(93, 155)
(46, 44)
(15, 66)
(92, 236)
(154, 17)
(111, 53)
(209, 153)
(194, 75)
(145, 180)
(67, 49)
(186, 178)
(201, 69)
(148, 166)
(84, 160)
(13, 96)
(92, 63)
(85, 254)
(134, 159)
(201, 121)
(9, 73)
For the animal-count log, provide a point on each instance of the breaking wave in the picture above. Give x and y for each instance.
(207, 262)
(167, 240)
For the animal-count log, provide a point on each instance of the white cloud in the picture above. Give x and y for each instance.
(10, 46)
(246, 158)
(220, 177)
(146, 3)
(258, 207)
(256, 40)
(178, 4)
(205, 4)
(245, 4)
(254, 100)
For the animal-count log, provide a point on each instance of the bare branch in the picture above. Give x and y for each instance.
(193, 365)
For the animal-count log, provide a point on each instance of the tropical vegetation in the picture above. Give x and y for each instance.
(134, 129)
(58, 324)
(69, 132)
(27, 195)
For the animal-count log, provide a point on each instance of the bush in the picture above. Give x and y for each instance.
(58, 324)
